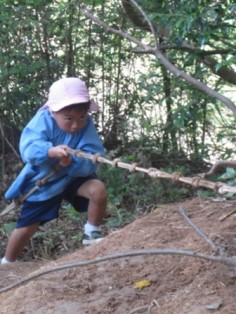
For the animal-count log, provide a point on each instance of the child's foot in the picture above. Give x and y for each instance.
(4, 261)
(96, 237)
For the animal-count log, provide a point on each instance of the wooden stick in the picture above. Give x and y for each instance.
(196, 182)
(218, 165)
(227, 215)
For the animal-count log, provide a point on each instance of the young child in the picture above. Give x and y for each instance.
(62, 123)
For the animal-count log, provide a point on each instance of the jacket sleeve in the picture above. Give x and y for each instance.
(90, 142)
(35, 140)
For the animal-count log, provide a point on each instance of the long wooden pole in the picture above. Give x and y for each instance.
(196, 181)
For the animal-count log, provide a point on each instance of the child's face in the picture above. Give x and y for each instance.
(71, 120)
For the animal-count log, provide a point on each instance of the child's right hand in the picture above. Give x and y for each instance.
(60, 153)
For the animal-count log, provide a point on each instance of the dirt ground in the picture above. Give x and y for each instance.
(174, 284)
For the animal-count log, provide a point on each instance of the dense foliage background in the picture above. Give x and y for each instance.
(163, 73)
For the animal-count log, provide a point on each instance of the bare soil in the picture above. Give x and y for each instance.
(175, 284)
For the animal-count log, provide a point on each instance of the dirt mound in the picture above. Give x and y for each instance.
(149, 283)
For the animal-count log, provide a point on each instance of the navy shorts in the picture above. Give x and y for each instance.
(41, 212)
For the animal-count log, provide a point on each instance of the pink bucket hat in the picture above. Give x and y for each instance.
(68, 91)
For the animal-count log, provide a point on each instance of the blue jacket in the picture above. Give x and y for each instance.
(41, 133)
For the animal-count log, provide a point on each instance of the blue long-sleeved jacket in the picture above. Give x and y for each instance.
(41, 133)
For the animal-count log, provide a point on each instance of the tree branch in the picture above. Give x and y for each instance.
(231, 261)
(160, 56)
(215, 247)
(226, 73)
(219, 165)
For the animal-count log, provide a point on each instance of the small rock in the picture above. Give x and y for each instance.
(215, 305)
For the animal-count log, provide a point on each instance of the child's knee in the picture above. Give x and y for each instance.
(100, 190)
(94, 190)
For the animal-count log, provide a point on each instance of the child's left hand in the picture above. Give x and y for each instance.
(61, 153)
(65, 161)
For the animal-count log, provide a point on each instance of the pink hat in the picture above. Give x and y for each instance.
(68, 91)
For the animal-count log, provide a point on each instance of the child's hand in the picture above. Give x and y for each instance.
(60, 153)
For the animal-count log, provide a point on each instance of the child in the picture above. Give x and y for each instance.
(62, 123)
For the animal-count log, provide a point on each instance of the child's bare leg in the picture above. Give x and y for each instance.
(95, 191)
(17, 241)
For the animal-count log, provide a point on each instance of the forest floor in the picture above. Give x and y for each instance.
(174, 284)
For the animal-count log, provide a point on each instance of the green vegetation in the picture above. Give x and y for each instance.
(163, 73)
